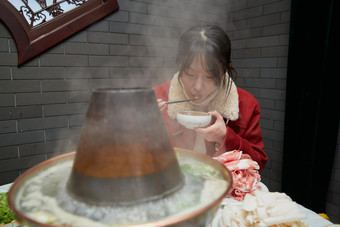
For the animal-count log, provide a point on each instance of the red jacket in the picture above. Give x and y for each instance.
(243, 134)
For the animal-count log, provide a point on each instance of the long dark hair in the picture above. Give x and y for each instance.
(211, 43)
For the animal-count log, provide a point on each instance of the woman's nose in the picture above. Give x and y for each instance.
(198, 84)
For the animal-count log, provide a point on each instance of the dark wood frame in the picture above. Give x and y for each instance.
(32, 41)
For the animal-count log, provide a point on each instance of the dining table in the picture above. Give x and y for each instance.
(312, 218)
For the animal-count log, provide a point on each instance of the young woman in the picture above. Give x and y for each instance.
(205, 72)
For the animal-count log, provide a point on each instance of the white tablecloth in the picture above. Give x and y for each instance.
(313, 219)
(5, 187)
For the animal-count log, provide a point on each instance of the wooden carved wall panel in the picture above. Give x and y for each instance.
(37, 25)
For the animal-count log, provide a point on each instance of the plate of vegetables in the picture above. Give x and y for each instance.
(7, 216)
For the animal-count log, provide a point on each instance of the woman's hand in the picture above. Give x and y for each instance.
(215, 132)
(161, 104)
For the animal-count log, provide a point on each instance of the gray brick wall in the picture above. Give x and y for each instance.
(43, 103)
(259, 31)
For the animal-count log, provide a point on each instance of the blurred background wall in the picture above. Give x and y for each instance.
(43, 102)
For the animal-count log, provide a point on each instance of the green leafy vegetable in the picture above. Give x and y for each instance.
(6, 214)
(198, 169)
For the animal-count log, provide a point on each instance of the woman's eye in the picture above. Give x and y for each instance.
(189, 74)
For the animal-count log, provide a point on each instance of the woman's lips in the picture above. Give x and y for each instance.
(198, 99)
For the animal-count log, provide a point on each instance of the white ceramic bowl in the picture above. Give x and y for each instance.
(193, 119)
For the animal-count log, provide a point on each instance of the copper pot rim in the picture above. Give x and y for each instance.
(165, 222)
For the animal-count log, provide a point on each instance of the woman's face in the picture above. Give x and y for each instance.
(197, 82)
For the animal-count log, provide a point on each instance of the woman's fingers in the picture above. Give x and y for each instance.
(161, 104)
(216, 115)
(215, 132)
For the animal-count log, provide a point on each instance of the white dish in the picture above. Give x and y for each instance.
(216, 219)
(193, 119)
